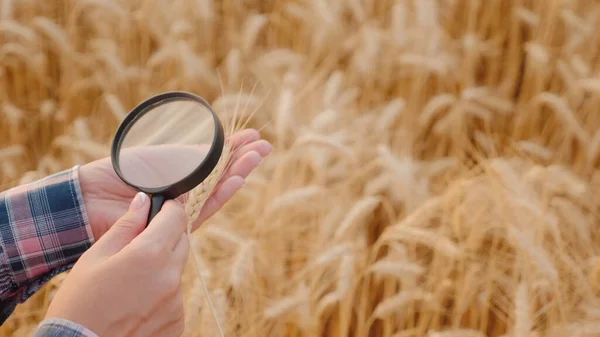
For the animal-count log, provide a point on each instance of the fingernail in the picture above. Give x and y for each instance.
(256, 157)
(139, 200)
(240, 182)
(269, 148)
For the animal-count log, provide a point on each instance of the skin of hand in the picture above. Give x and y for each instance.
(129, 282)
(106, 196)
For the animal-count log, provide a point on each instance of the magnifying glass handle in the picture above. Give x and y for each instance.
(156, 203)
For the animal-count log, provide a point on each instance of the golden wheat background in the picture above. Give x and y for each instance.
(435, 170)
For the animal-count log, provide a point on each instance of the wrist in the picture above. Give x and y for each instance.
(86, 184)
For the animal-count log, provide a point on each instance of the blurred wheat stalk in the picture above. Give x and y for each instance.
(435, 168)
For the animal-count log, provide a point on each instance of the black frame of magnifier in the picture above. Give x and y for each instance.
(161, 194)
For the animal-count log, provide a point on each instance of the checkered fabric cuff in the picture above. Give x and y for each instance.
(44, 229)
(62, 328)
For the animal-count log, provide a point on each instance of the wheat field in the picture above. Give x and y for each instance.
(435, 165)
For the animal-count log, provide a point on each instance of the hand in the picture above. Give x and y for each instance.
(129, 282)
(106, 196)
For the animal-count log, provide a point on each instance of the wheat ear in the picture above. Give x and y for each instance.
(194, 205)
(194, 201)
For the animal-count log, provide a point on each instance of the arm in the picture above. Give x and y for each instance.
(44, 230)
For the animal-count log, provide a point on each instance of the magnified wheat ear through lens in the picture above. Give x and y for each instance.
(195, 200)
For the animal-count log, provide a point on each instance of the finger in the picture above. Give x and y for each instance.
(242, 163)
(262, 147)
(243, 137)
(167, 226)
(181, 251)
(245, 141)
(243, 166)
(225, 191)
(126, 228)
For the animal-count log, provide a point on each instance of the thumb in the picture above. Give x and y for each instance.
(124, 230)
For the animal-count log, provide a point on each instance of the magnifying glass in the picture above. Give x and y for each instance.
(167, 145)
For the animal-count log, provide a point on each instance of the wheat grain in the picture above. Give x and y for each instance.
(397, 269)
(562, 110)
(55, 33)
(287, 304)
(89, 147)
(21, 31)
(48, 164)
(397, 303)
(222, 234)
(233, 66)
(378, 185)
(357, 214)
(347, 272)
(194, 202)
(434, 106)
(333, 88)
(439, 166)
(437, 65)
(324, 12)
(358, 10)
(29, 177)
(457, 333)
(538, 53)
(12, 113)
(81, 129)
(252, 28)
(116, 107)
(544, 264)
(329, 142)
(590, 84)
(478, 111)
(417, 235)
(580, 66)
(293, 197)
(10, 152)
(284, 111)
(242, 264)
(535, 149)
(390, 112)
(324, 120)
(426, 13)
(112, 7)
(529, 17)
(486, 143)
(7, 9)
(9, 169)
(575, 22)
(346, 275)
(281, 58)
(332, 254)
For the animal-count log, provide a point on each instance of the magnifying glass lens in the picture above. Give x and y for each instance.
(166, 143)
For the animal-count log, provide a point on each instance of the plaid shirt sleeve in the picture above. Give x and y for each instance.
(44, 229)
(62, 328)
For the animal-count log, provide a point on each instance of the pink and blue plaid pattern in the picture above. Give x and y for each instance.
(44, 229)
(62, 328)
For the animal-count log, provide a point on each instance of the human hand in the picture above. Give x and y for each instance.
(129, 282)
(107, 197)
